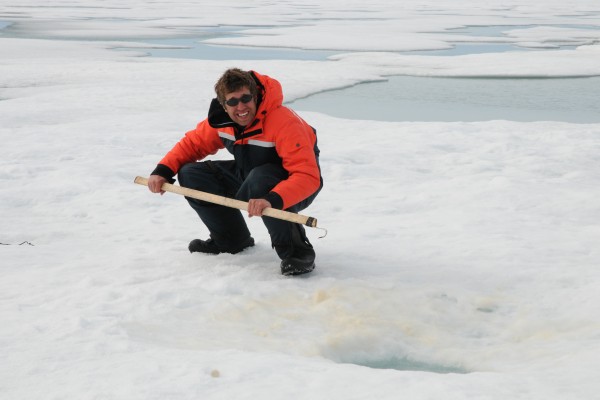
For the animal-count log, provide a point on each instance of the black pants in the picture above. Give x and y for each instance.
(227, 225)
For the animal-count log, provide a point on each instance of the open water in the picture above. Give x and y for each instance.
(410, 98)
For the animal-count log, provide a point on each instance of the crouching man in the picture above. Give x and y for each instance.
(276, 164)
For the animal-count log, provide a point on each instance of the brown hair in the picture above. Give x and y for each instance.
(233, 80)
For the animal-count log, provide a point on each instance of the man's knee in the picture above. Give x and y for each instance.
(194, 175)
(260, 181)
(185, 174)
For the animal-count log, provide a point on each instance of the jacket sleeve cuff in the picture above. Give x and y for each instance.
(165, 172)
(275, 200)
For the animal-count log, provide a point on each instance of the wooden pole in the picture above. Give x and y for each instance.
(232, 203)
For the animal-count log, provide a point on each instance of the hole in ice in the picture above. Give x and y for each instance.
(406, 364)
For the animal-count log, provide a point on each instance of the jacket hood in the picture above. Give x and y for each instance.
(270, 90)
(270, 97)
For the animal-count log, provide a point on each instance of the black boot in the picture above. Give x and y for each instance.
(298, 257)
(210, 247)
(302, 262)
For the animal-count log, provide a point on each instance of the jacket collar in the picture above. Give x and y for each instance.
(218, 117)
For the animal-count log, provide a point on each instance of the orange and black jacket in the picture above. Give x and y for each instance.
(276, 136)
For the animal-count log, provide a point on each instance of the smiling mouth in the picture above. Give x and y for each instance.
(244, 114)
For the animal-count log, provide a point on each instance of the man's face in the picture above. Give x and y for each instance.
(241, 106)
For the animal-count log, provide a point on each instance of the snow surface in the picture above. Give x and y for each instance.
(461, 260)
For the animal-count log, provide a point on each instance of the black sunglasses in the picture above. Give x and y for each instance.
(234, 101)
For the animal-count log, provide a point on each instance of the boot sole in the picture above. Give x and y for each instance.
(290, 270)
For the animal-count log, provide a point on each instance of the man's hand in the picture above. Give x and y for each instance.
(155, 183)
(256, 207)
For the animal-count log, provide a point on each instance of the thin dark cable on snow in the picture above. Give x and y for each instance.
(20, 244)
